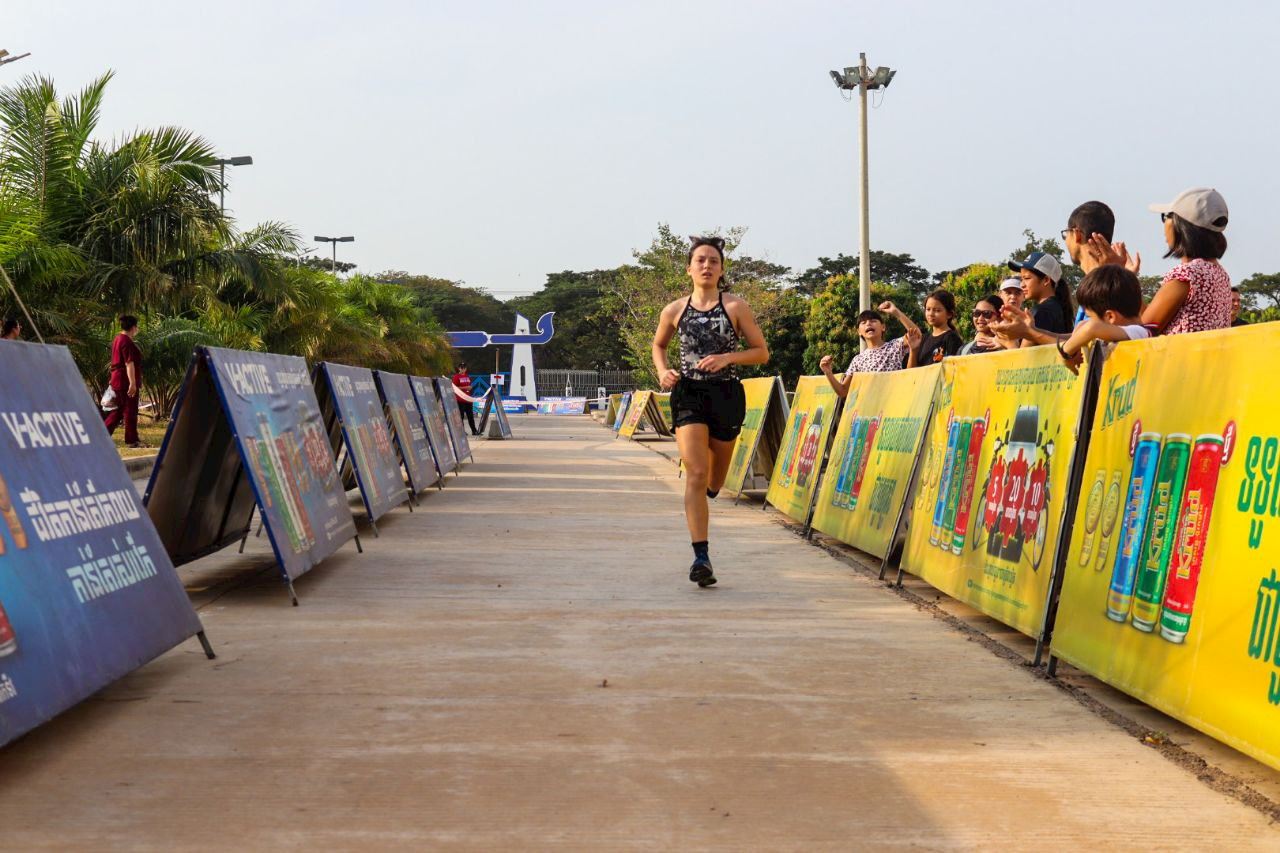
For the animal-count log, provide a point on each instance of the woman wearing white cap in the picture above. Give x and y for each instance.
(1195, 296)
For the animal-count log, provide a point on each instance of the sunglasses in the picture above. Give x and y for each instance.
(986, 315)
(1165, 216)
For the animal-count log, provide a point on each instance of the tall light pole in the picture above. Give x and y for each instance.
(862, 78)
(223, 163)
(335, 241)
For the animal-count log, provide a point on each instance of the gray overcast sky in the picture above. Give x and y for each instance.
(497, 142)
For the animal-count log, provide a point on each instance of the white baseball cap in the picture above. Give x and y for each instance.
(1202, 206)
(1011, 283)
(1041, 262)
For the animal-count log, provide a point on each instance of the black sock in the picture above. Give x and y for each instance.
(712, 494)
(700, 550)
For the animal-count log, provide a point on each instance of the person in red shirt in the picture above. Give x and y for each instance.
(126, 381)
(462, 381)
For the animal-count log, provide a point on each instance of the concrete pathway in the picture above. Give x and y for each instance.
(522, 664)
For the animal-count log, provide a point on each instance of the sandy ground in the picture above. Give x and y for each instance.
(522, 663)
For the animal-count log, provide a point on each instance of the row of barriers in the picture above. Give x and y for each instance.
(1117, 515)
(88, 585)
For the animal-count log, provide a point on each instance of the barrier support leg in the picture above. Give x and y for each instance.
(204, 643)
(1052, 669)
(245, 537)
(359, 547)
(374, 525)
(409, 503)
(293, 595)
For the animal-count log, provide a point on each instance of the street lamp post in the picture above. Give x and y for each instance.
(860, 77)
(223, 163)
(335, 241)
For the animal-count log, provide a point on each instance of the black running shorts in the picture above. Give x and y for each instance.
(721, 405)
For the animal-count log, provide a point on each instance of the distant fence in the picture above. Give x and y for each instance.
(583, 383)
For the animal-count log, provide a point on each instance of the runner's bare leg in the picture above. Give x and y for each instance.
(693, 441)
(721, 456)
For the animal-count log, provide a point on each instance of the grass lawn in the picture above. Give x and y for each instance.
(150, 432)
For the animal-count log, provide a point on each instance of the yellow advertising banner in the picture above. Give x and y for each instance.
(795, 474)
(663, 401)
(635, 413)
(991, 491)
(1170, 591)
(611, 410)
(764, 394)
(876, 445)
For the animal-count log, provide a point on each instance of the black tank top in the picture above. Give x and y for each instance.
(704, 333)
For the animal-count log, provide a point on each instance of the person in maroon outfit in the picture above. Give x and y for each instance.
(126, 381)
(462, 381)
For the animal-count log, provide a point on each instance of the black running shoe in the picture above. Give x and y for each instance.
(700, 572)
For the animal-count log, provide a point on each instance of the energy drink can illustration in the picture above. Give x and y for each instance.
(8, 639)
(960, 532)
(809, 450)
(992, 509)
(944, 482)
(864, 456)
(1110, 511)
(1146, 458)
(955, 484)
(1192, 535)
(1157, 544)
(1093, 515)
(792, 448)
(844, 479)
(1021, 455)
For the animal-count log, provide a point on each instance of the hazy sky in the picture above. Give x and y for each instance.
(497, 142)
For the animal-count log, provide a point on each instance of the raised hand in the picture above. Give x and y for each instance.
(914, 337)
(888, 307)
(825, 365)
(1102, 251)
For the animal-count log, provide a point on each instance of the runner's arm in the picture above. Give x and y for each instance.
(667, 377)
(839, 384)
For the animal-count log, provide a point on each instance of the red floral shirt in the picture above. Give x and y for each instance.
(1208, 304)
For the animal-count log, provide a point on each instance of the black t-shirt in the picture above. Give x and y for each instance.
(934, 347)
(1051, 316)
(1238, 322)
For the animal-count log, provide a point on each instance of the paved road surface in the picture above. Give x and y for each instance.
(448, 688)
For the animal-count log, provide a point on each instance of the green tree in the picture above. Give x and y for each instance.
(1260, 291)
(973, 283)
(1071, 273)
(658, 277)
(585, 337)
(832, 325)
(896, 270)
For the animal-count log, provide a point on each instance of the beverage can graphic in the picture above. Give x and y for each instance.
(1192, 536)
(865, 448)
(844, 478)
(944, 482)
(992, 506)
(1146, 458)
(1093, 515)
(1021, 454)
(8, 639)
(1157, 543)
(792, 449)
(960, 532)
(1110, 511)
(809, 450)
(955, 484)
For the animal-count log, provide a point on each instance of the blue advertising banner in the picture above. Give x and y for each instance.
(280, 438)
(623, 405)
(461, 447)
(354, 396)
(424, 391)
(87, 592)
(410, 433)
